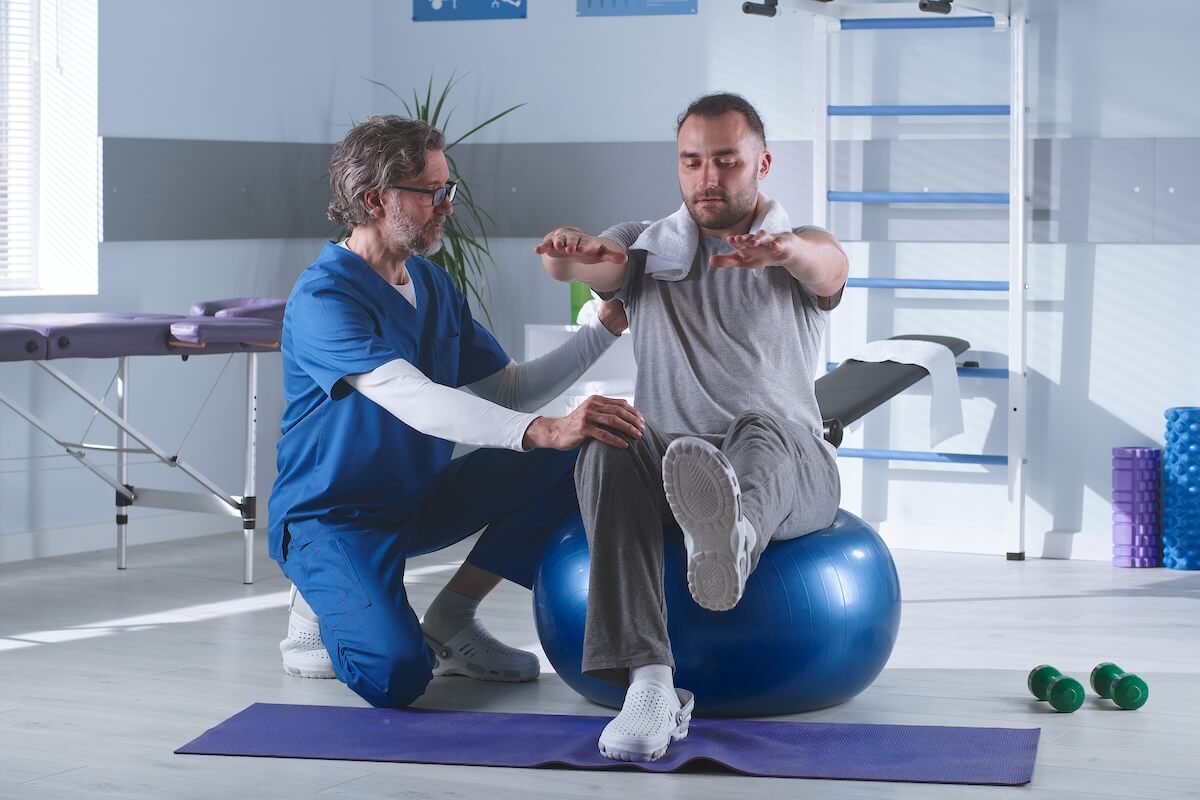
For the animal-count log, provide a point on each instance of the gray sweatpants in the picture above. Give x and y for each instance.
(790, 487)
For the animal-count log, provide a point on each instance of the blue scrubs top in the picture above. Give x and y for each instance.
(343, 459)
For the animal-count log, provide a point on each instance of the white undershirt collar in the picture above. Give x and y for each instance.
(406, 290)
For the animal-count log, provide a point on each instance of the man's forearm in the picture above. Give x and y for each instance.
(603, 277)
(821, 264)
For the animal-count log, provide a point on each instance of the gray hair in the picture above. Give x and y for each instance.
(383, 151)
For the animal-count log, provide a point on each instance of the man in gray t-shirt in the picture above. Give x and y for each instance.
(727, 306)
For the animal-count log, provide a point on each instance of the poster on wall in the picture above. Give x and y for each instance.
(455, 10)
(633, 8)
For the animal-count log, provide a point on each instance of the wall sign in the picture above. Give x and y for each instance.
(633, 8)
(455, 10)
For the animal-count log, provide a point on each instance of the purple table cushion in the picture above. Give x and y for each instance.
(240, 333)
(256, 307)
(21, 344)
(99, 335)
(240, 325)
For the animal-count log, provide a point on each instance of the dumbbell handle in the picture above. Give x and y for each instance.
(1126, 689)
(1104, 676)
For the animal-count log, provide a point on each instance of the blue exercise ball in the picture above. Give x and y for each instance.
(814, 628)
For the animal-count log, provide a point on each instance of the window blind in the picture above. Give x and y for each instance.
(19, 93)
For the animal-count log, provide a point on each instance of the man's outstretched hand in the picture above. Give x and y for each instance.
(761, 249)
(595, 418)
(580, 247)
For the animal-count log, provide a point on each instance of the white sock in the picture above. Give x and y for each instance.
(448, 614)
(657, 673)
(301, 606)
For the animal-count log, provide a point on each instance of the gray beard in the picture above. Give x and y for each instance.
(412, 239)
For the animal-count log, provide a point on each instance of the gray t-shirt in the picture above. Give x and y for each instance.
(720, 342)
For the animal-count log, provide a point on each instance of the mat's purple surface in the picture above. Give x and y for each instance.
(915, 753)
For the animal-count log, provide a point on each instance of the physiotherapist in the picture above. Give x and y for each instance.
(378, 347)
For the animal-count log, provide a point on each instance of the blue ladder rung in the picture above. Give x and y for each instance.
(927, 283)
(963, 372)
(990, 373)
(910, 23)
(919, 111)
(919, 455)
(973, 198)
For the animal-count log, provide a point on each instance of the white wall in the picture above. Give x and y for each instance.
(1110, 342)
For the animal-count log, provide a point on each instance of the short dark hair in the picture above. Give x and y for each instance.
(712, 106)
(383, 151)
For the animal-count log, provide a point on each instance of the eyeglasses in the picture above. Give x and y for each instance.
(440, 194)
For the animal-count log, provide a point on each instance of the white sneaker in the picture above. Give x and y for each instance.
(702, 490)
(475, 653)
(304, 654)
(652, 717)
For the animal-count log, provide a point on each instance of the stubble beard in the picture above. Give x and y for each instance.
(424, 240)
(736, 207)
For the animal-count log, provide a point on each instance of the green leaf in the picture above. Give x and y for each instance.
(428, 97)
(392, 91)
(484, 124)
(441, 100)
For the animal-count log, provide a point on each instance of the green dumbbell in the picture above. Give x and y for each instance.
(1125, 689)
(1047, 683)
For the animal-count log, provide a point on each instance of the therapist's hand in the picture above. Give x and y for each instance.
(599, 418)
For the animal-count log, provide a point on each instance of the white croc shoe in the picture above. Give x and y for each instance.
(702, 490)
(475, 653)
(652, 717)
(304, 654)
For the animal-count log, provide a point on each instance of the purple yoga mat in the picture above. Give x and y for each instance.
(915, 753)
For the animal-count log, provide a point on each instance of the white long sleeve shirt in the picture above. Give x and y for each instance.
(498, 413)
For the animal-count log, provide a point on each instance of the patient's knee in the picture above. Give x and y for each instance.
(755, 424)
(597, 458)
(594, 453)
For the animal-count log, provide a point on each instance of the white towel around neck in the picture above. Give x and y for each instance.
(671, 243)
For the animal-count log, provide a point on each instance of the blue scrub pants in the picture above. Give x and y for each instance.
(354, 579)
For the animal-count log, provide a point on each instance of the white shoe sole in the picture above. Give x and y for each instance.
(622, 748)
(448, 663)
(293, 664)
(626, 753)
(303, 672)
(702, 490)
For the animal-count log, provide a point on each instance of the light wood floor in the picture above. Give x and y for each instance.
(103, 674)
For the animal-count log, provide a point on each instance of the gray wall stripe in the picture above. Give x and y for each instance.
(1084, 190)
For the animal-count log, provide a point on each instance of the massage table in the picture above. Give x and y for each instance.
(249, 325)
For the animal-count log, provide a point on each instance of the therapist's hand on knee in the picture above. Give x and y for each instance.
(604, 419)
